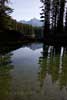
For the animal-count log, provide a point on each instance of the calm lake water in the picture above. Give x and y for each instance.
(34, 72)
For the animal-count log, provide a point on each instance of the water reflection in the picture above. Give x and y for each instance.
(53, 62)
(5, 77)
(34, 72)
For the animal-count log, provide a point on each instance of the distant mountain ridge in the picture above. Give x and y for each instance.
(33, 22)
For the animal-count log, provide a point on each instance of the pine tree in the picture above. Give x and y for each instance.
(66, 21)
(53, 15)
(61, 15)
(46, 15)
(4, 14)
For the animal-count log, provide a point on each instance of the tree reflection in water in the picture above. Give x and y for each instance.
(54, 63)
(5, 77)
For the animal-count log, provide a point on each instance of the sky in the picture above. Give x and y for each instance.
(25, 9)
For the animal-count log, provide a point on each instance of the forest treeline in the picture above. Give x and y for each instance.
(54, 16)
(10, 29)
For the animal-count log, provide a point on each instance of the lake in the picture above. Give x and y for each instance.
(34, 72)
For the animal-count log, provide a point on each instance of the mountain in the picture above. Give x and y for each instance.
(33, 22)
(35, 46)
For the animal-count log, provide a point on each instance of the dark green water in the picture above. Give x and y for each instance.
(34, 72)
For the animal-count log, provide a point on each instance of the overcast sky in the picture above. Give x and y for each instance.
(25, 9)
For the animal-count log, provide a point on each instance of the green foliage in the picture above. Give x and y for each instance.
(5, 77)
(53, 14)
(7, 23)
(4, 17)
(25, 29)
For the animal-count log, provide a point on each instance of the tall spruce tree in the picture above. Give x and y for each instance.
(53, 15)
(4, 14)
(46, 14)
(61, 15)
